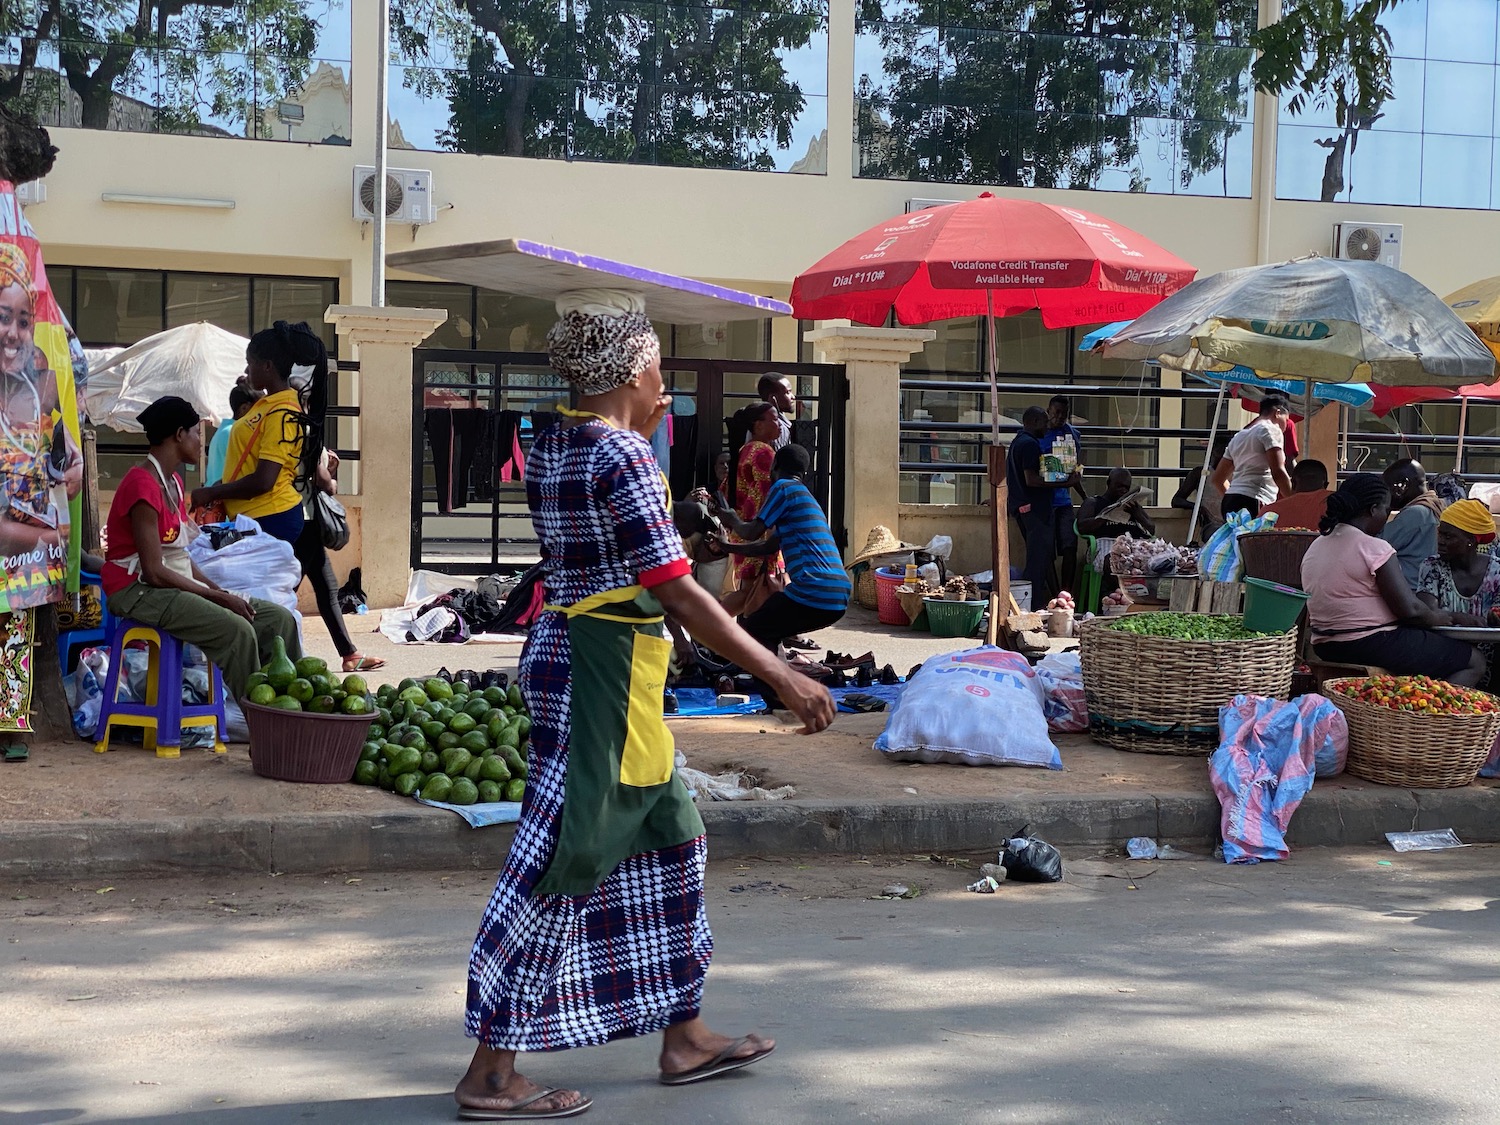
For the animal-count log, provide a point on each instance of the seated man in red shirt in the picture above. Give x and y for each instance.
(148, 575)
(1309, 499)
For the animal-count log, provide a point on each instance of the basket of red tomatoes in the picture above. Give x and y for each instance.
(1415, 731)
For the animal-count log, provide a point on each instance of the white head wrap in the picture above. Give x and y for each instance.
(603, 340)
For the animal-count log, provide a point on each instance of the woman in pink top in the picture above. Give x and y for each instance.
(1359, 606)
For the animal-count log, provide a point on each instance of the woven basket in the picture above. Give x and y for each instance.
(1159, 695)
(864, 587)
(302, 746)
(1414, 751)
(1275, 556)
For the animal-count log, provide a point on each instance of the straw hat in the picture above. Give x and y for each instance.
(881, 541)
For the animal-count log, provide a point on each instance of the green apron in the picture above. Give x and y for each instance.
(621, 795)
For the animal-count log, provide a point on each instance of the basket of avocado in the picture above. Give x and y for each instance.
(306, 725)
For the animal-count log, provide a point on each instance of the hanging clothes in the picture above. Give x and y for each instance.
(510, 459)
(453, 436)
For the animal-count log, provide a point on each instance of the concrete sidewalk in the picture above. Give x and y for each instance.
(71, 813)
(399, 835)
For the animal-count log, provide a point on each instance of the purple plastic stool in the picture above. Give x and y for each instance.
(164, 714)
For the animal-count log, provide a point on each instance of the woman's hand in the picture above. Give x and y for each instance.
(808, 700)
(202, 496)
(658, 412)
(1467, 620)
(234, 603)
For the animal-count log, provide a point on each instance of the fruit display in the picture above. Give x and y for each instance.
(308, 686)
(1186, 627)
(448, 741)
(1422, 695)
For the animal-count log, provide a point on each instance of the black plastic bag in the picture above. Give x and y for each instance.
(1027, 859)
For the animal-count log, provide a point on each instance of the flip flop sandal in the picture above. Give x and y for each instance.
(722, 1063)
(363, 664)
(519, 1112)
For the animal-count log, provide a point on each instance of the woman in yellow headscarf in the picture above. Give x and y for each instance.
(1464, 576)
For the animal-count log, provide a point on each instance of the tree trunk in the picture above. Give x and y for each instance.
(515, 113)
(1333, 167)
(50, 717)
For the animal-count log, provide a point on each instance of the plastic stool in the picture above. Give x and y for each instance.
(1092, 595)
(163, 715)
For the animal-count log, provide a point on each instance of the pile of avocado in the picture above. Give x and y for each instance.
(446, 742)
(307, 686)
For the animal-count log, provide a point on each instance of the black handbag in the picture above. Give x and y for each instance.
(332, 521)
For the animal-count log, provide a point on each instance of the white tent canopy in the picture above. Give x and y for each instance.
(199, 362)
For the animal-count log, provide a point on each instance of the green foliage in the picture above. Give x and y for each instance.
(615, 80)
(186, 59)
(1050, 93)
(1331, 54)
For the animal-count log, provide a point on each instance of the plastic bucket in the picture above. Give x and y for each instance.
(954, 619)
(1271, 607)
(1021, 591)
(887, 603)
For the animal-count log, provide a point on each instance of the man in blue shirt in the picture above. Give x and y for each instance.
(1062, 432)
(1029, 501)
(791, 522)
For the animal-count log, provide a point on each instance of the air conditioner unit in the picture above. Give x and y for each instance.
(923, 204)
(1368, 242)
(30, 193)
(408, 195)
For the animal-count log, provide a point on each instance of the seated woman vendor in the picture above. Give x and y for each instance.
(1361, 610)
(148, 575)
(1464, 576)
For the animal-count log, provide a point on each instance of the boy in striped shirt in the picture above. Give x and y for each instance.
(791, 522)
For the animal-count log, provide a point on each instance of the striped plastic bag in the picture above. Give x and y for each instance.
(1264, 766)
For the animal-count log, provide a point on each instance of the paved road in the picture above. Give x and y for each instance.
(1328, 989)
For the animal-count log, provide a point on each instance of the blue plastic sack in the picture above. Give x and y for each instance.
(979, 707)
(1264, 767)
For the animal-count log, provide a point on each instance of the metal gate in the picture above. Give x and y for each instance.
(471, 412)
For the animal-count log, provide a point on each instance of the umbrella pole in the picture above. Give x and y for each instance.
(999, 492)
(1213, 433)
(1463, 425)
(1307, 413)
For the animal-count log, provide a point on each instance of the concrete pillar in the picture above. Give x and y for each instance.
(1323, 440)
(872, 359)
(382, 339)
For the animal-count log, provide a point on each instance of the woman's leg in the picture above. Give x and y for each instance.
(318, 570)
(492, 1082)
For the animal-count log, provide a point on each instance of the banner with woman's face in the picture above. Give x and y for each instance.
(41, 465)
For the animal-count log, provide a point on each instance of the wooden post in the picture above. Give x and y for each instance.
(1000, 555)
(91, 523)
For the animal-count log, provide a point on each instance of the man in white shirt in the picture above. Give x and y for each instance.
(1252, 473)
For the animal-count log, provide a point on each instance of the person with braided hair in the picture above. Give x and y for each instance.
(1360, 608)
(276, 461)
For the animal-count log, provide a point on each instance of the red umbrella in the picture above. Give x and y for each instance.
(991, 256)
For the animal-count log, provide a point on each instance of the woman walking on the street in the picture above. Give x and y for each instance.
(597, 928)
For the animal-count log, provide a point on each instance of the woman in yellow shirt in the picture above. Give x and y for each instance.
(276, 455)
